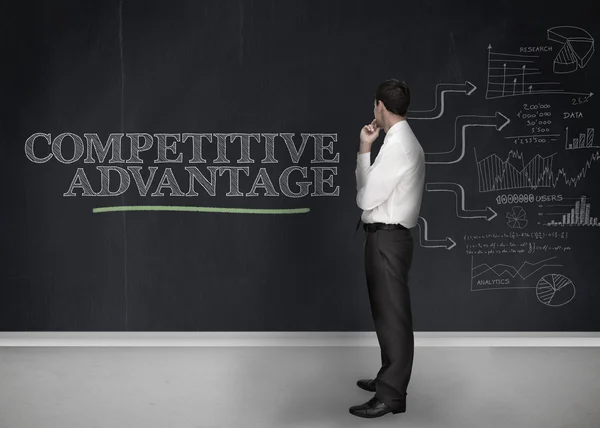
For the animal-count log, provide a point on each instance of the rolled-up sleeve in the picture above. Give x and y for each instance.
(375, 183)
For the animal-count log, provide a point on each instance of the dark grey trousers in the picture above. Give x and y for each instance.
(388, 257)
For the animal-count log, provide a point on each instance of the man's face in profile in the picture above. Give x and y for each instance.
(377, 105)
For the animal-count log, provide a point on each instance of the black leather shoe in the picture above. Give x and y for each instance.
(373, 409)
(367, 384)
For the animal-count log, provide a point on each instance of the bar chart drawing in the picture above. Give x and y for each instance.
(555, 290)
(583, 140)
(497, 174)
(579, 215)
(510, 75)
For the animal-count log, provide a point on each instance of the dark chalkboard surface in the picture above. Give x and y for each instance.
(182, 166)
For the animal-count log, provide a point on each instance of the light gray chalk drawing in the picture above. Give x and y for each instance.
(578, 215)
(510, 75)
(506, 276)
(440, 92)
(496, 174)
(424, 240)
(459, 193)
(516, 218)
(555, 290)
(577, 48)
(498, 121)
(585, 140)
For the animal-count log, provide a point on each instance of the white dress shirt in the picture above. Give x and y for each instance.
(390, 190)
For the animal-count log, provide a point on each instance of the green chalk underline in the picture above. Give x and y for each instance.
(201, 209)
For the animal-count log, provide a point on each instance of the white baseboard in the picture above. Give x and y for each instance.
(309, 338)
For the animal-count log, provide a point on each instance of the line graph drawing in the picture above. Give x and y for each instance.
(516, 218)
(577, 48)
(495, 173)
(585, 140)
(555, 290)
(503, 276)
(424, 240)
(461, 212)
(440, 93)
(524, 271)
(499, 121)
(510, 75)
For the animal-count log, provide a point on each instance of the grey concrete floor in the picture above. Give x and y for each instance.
(294, 387)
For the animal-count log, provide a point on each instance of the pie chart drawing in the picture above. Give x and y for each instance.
(517, 218)
(555, 290)
(577, 48)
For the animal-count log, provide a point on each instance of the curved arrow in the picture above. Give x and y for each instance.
(499, 121)
(447, 243)
(440, 92)
(488, 213)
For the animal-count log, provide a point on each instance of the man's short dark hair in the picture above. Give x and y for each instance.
(394, 95)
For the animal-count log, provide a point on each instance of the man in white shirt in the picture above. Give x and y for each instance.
(389, 193)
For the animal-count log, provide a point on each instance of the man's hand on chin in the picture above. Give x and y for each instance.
(368, 135)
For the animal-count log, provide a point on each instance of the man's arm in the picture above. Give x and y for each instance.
(375, 183)
(363, 162)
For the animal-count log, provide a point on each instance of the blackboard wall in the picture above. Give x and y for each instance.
(263, 239)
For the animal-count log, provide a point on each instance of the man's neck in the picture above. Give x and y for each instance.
(392, 121)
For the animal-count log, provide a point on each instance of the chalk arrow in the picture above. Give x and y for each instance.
(440, 92)
(461, 212)
(502, 121)
(447, 243)
(499, 121)
(588, 95)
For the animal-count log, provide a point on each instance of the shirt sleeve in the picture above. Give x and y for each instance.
(375, 183)
(363, 162)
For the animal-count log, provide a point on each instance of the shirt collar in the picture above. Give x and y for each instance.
(396, 127)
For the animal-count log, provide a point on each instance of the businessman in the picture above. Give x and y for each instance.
(389, 193)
